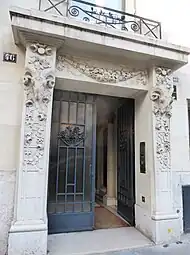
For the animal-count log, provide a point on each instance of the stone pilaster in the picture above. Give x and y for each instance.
(164, 218)
(28, 233)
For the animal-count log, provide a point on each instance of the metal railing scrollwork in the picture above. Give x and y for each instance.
(96, 14)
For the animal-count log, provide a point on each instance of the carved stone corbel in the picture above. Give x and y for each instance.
(41, 49)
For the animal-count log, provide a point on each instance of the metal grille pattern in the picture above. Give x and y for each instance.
(89, 12)
(71, 157)
(51, 5)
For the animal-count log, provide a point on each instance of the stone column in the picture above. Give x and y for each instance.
(109, 199)
(28, 233)
(165, 220)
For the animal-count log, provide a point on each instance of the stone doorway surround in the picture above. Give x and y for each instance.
(152, 89)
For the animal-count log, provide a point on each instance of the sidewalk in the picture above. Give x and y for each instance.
(120, 241)
(180, 248)
(96, 242)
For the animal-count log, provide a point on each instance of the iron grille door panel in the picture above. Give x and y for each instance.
(126, 166)
(71, 170)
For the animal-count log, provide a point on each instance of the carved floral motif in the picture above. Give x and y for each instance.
(39, 81)
(101, 74)
(39, 63)
(162, 99)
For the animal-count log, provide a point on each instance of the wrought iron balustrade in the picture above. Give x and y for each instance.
(96, 14)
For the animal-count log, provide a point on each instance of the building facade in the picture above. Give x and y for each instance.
(93, 107)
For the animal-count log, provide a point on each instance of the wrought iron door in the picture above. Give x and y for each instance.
(186, 208)
(126, 167)
(72, 163)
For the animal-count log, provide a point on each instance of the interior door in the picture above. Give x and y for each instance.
(71, 189)
(126, 161)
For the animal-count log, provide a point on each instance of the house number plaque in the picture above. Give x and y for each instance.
(9, 57)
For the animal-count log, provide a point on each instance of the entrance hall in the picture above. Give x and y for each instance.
(109, 156)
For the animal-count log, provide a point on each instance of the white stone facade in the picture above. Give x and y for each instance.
(104, 62)
(180, 141)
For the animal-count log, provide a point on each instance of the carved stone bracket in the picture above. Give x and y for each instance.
(39, 81)
(102, 74)
(41, 49)
(161, 95)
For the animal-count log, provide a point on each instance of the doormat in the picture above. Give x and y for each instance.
(105, 219)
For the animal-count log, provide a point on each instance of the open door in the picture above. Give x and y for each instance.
(71, 190)
(126, 162)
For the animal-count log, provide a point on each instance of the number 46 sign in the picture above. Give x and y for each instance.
(9, 57)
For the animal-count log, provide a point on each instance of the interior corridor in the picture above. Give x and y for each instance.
(106, 215)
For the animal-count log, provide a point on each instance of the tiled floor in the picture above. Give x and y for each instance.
(97, 241)
(105, 219)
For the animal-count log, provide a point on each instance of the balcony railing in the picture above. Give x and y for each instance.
(96, 14)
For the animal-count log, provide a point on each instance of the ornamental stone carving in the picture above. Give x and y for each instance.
(41, 49)
(102, 74)
(39, 81)
(39, 63)
(161, 96)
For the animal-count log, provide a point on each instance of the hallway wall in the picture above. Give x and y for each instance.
(100, 151)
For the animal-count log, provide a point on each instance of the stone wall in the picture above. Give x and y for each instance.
(11, 96)
(11, 101)
(180, 140)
